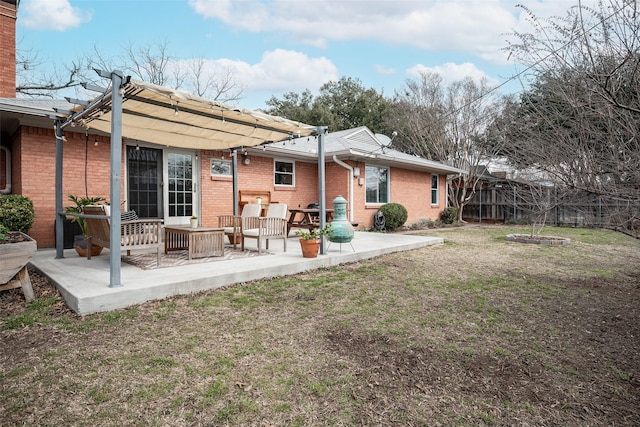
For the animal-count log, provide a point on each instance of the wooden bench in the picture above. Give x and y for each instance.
(250, 196)
(135, 234)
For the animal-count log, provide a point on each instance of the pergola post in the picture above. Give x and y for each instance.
(234, 174)
(58, 187)
(320, 130)
(115, 250)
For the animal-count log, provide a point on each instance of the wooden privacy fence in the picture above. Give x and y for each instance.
(512, 204)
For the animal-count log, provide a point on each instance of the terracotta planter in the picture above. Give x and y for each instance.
(310, 247)
(80, 245)
(15, 256)
(236, 241)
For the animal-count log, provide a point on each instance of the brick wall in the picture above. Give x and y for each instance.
(33, 164)
(412, 189)
(217, 192)
(8, 14)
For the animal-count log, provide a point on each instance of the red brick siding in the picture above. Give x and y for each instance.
(412, 189)
(7, 50)
(33, 155)
(34, 174)
(216, 193)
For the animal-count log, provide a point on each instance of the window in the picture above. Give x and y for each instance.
(283, 173)
(434, 189)
(377, 184)
(220, 167)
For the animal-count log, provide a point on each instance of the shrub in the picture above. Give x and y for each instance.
(449, 215)
(3, 231)
(395, 215)
(16, 212)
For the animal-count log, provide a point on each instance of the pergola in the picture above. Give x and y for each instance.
(146, 112)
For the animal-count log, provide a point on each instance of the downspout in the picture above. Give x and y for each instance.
(350, 169)
(7, 170)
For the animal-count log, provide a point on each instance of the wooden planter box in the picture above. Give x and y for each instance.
(15, 257)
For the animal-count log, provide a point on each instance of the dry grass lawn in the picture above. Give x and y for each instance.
(477, 331)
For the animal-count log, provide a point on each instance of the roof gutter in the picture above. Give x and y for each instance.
(346, 166)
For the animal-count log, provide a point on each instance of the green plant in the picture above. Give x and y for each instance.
(449, 215)
(315, 233)
(3, 231)
(16, 212)
(78, 204)
(395, 215)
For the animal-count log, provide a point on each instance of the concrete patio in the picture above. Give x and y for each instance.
(84, 284)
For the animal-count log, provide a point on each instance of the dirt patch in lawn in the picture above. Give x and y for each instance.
(477, 331)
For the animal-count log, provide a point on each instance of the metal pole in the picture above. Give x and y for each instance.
(59, 216)
(480, 203)
(116, 155)
(321, 188)
(234, 174)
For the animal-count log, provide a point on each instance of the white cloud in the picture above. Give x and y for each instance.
(479, 27)
(56, 15)
(383, 69)
(278, 70)
(451, 72)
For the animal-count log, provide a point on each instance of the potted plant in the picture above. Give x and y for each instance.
(80, 241)
(194, 221)
(310, 240)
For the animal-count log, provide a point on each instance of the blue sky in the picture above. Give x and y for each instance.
(278, 46)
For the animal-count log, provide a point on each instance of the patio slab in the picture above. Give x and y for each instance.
(84, 284)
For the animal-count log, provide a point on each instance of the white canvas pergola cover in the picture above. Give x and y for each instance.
(174, 118)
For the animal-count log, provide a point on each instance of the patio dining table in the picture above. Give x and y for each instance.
(306, 218)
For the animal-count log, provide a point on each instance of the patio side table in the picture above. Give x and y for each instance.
(200, 242)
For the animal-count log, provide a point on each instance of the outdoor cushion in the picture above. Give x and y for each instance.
(128, 215)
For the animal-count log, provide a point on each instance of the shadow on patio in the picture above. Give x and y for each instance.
(84, 284)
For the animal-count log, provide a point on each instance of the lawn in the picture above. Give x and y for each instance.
(477, 331)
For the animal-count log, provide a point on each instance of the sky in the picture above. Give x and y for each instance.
(277, 46)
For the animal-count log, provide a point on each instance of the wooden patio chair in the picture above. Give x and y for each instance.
(135, 234)
(272, 226)
(233, 224)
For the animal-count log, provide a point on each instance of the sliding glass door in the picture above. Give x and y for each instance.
(144, 181)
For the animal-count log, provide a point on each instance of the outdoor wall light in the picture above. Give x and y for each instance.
(246, 160)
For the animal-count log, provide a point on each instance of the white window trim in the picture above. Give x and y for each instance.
(388, 168)
(437, 203)
(293, 173)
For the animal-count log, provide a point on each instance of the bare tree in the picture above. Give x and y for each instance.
(580, 120)
(447, 124)
(32, 82)
(214, 81)
(151, 63)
